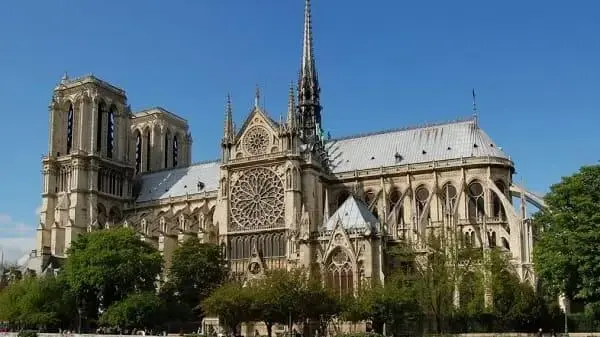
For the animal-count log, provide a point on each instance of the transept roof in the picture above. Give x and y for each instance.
(353, 214)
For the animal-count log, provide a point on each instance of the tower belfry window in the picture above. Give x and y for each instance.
(138, 151)
(110, 132)
(99, 126)
(166, 147)
(175, 150)
(70, 129)
(148, 151)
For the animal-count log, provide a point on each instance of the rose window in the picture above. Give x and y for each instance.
(256, 141)
(257, 200)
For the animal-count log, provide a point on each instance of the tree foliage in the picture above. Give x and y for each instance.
(136, 311)
(567, 254)
(37, 302)
(196, 270)
(231, 303)
(105, 266)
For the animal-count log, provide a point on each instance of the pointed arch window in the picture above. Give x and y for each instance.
(175, 151)
(421, 197)
(448, 196)
(110, 132)
(70, 128)
(476, 206)
(166, 147)
(497, 208)
(138, 151)
(393, 200)
(340, 274)
(370, 201)
(100, 126)
(148, 150)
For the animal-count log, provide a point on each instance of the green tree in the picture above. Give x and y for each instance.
(566, 253)
(232, 303)
(196, 270)
(283, 296)
(136, 311)
(105, 266)
(37, 302)
(394, 304)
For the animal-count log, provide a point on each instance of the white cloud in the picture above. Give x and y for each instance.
(15, 248)
(16, 238)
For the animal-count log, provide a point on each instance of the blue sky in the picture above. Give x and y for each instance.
(382, 64)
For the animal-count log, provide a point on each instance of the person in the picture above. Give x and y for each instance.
(540, 334)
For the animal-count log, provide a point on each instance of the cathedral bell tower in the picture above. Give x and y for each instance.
(87, 172)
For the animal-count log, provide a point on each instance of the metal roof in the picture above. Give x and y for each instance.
(353, 214)
(179, 181)
(453, 140)
(410, 146)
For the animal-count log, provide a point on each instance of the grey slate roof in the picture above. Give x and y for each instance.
(437, 142)
(453, 140)
(177, 182)
(353, 214)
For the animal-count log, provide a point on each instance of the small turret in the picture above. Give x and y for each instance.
(292, 119)
(228, 131)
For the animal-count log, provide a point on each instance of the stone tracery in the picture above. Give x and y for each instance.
(257, 200)
(256, 141)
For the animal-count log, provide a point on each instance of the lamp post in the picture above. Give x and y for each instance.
(565, 308)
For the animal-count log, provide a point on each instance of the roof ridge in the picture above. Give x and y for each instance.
(406, 128)
(202, 162)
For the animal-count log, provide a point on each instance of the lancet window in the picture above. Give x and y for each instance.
(63, 179)
(448, 197)
(138, 151)
(497, 208)
(340, 274)
(148, 150)
(111, 182)
(269, 245)
(476, 206)
(110, 132)
(100, 126)
(175, 151)
(70, 128)
(421, 197)
(371, 202)
(166, 147)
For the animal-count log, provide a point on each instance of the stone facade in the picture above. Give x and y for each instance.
(283, 194)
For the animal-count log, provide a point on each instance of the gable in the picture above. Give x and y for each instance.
(353, 214)
(258, 136)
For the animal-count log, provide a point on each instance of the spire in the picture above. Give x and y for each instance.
(229, 129)
(257, 97)
(291, 113)
(308, 59)
(308, 84)
(474, 107)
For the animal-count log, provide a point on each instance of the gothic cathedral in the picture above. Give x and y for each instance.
(283, 194)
